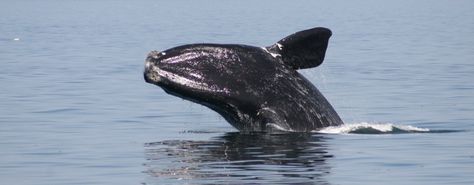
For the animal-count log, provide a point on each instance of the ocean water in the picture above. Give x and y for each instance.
(74, 108)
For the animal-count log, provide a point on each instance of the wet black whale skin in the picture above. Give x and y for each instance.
(256, 89)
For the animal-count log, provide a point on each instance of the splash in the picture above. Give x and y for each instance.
(372, 128)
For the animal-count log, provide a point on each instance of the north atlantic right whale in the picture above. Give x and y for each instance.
(256, 89)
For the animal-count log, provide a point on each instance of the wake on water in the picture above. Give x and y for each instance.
(373, 128)
(358, 128)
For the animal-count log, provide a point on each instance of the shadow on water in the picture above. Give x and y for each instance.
(235, 158)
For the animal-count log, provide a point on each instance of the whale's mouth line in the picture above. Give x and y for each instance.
(160, 77)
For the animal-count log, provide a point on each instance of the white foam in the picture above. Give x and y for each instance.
(376, 127)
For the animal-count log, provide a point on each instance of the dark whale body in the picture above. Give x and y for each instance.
(255, 89)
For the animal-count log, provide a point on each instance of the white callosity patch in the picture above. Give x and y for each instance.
(280, 47)
(195, 75)
(274, 55)
(147, 65)
(380, 127)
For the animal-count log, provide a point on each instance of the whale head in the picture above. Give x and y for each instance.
(249, 86)
(225, 78)
(201, 71)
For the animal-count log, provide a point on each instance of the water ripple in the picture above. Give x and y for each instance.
(241, 159)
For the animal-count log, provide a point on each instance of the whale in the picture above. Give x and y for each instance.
(255, 89)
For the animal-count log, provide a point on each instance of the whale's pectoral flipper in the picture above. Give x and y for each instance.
(304, 49)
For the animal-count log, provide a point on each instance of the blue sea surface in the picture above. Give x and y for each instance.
(74, 108)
